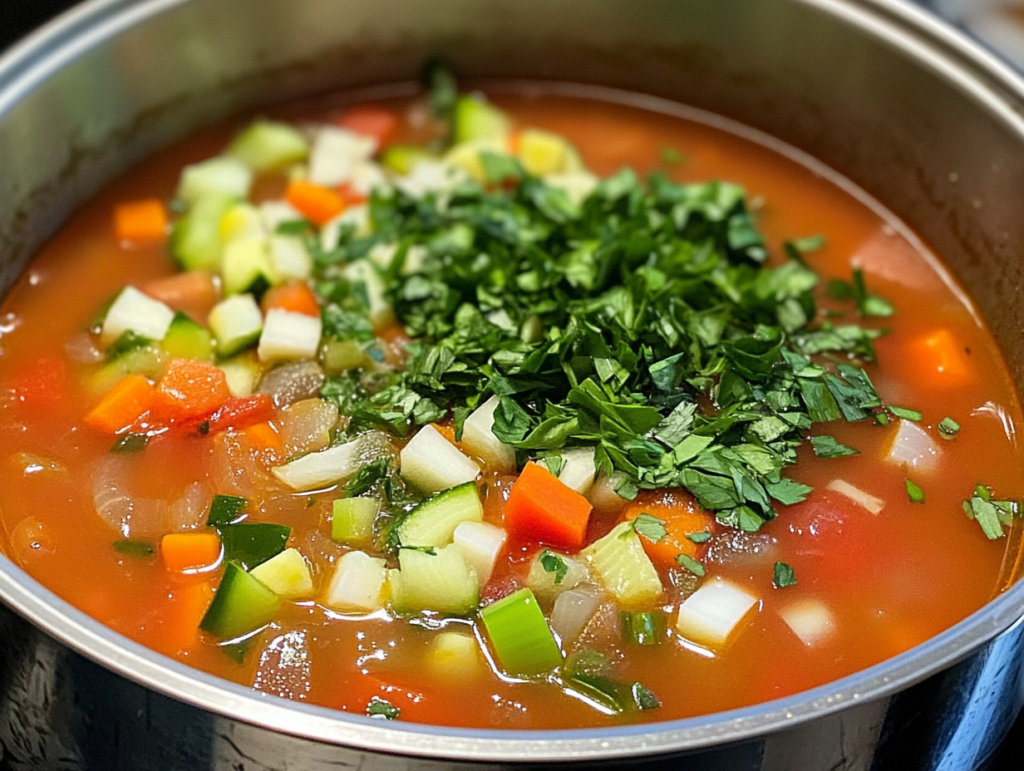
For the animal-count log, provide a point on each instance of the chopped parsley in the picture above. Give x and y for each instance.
(914, 492)
(552, 563)
(991, 515)
(650, 527)
(382, 709)
(828, 447)
(690, 564)
(948, 428)
(131, 547)
(784, 576)
(701, 537)
(643, 697)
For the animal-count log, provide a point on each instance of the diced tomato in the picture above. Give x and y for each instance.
(41, 382)
(350, 195)
(296, 297)
(371, 120)
(190, 389)
(193, 293)
(242, 412)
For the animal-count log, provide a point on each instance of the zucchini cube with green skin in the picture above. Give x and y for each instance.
(436, 580)
(242, 605)
(186, 339)
(236, 323)
(352, 519)
(269, 146)
(520, 635)
(286, 574)
(222, 175)
(434, 521)
(196, 241)
(476, 119)
(246, 265)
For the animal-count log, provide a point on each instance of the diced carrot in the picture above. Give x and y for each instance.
(179, 618)
(682, 516)
(296, 298)
(190, 552)
(542, 509)
(941, 359)
(242, 412)
(122, 405)
(140, 222)
(350, 195)
(190, 389)
(264, 437)
(395, 340)
(514, 139)
(316, 203)
(371, 120)
(193, 293)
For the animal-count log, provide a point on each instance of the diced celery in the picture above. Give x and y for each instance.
(432, 463)
(552, 573)
(319, 469)
(436, 580)
(623, 566)
(187, 339)
(520, 636)
(241, 606)
(478, 119)
(342, 355)
(269, 145)
(433, 522)
(222, 175)
(357, 585)
(140, 313)
(236, 323)
(246, 266)
(287, 575)
(242, 373)
(288, 335)
(352, 519)
(195, 240)
(478, 437)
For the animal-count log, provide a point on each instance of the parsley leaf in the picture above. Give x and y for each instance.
(382, 709)
(700, 537)
(552, 563)
(650, 527)
(784, 576)
(914, 492)
(828, 447)
(690, 564)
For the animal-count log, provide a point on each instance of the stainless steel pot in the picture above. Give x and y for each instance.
(898, 103)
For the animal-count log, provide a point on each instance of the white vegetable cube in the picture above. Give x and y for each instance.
(364, 273)
(712, 614)
(235, 322)
(565, 573)
(480, 544)
(432, 463)
(479, 439)
(365, 176)
(913, 447)
(274, 213)
(357, 585)
(578, 469)
(455, 654)
(288, 335)
(576, 184)
(135, 311)
(319, 469)
(356, 217)
(810, 620)
(336, 152)
(286, 575)
(864, 500)
(216, 176)
(289, 258)
(602, 495)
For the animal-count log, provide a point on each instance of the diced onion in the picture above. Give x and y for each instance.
(189, 511)
(711, 615)
(306, 425)
(432, 463)
(319, 469)
(293, 382)
(578, 469)
(810, 620)
(480, 544)
(913, 447)
(572, 610)
(864, 500)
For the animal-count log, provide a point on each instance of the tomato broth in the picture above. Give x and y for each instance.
(869, 584)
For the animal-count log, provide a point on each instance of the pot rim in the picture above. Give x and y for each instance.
(928, 39)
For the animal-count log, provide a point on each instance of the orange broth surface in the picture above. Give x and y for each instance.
(890, 580)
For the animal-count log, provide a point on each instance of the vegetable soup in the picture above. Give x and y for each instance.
(539, 409)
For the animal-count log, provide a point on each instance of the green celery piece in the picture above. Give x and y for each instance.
(352, 519)
(269, 146)
(522, 639)
(251, 544)
(241, 606)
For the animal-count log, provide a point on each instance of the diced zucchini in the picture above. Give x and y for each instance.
(236, 323)
(269, 146)
(338, 356)
(433, 522)
(578, 469)
(475, 119)
(252, 543)
(357, 585)
(432, 463)
(552, 573)
(288, 335)
(241, 606)
(520, 635)
(319, 469)
(147, 360)
(364, 273)
(455, 654)
(188, 340)
(135, 311)
(578, 185)
(240, 220)
(286, 575)
(242, 373)
(542, 152)
(711, 615)
(195, 240)
(440, 581)
(401, 159)
(466, 156)
(222, 175)
(335, 152)
(246, 266)
(289, 258)
(623, 566)
(478, 437)
(480, 544)
(352, 519)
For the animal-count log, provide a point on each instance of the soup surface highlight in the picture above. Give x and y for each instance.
(425, 409)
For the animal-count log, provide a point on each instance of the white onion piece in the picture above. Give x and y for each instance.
(323, 468)
(189, 511)
(572, 610)
(864, 500)
(810, 620)
(735, 547)
(291, 383)
(130, 516)
(432, 463)
(711, 615)
(912, 446)
(306, 425)
(236, 468)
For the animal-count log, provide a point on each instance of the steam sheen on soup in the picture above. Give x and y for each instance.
(533, 410)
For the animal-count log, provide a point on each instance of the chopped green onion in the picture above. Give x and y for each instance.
(689, 563)
(784, 576)
(225, 510)
(522, 640)
(915, 493)
(130, 443)
(948, 428)
(642, 627)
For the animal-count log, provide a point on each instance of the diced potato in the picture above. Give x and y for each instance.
(578, 469)
(432, 463)
(479, 439)
(286, 575)
(357, 585)
(713, 613)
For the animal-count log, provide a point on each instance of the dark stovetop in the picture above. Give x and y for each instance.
(18, 17)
